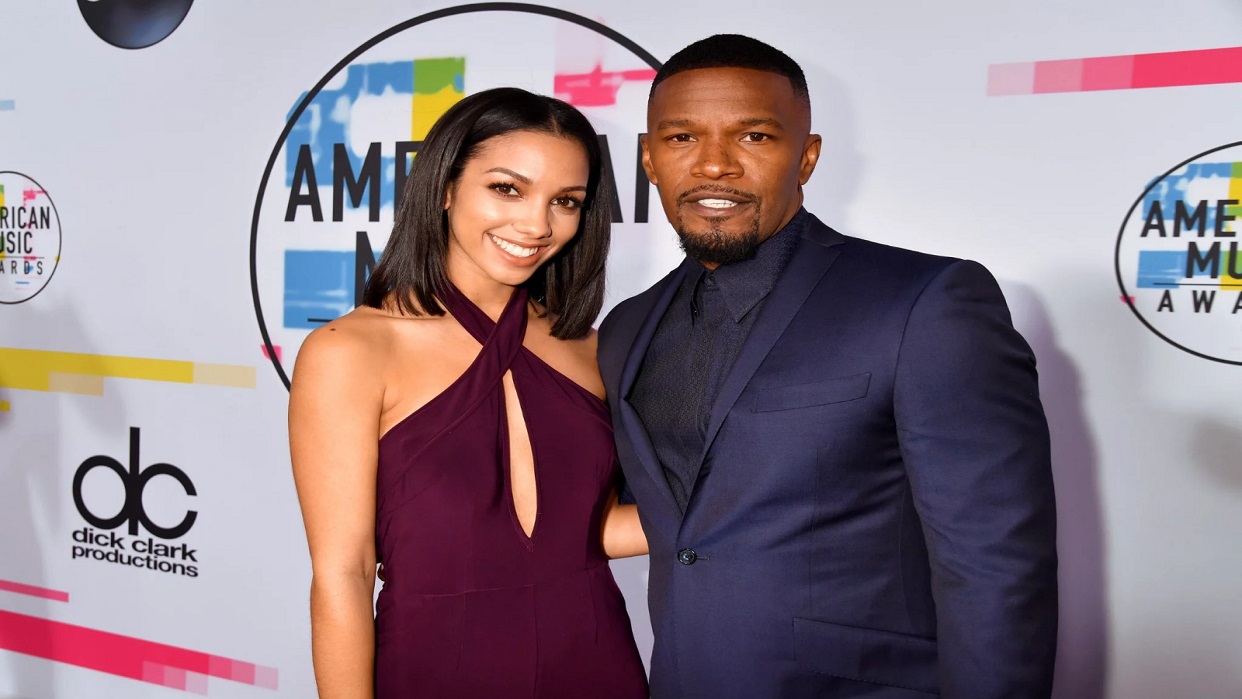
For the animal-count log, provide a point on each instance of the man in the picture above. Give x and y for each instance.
(837, 447)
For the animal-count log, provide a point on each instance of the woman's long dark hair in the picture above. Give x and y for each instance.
(412, 266)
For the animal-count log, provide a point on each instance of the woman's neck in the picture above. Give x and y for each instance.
(488, 294)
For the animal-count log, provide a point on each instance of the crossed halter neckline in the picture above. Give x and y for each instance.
(501, 345)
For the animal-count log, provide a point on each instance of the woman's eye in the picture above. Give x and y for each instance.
(504, 189)
(567, 202)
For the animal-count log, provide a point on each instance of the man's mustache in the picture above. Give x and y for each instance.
(715, 189)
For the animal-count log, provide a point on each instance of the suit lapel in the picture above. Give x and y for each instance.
(810, 261)
(631, 423)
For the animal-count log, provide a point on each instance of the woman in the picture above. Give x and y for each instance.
(453, 428)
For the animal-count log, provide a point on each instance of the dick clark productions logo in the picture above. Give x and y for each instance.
(102, 542)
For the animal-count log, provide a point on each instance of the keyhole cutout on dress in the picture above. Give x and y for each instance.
(523, 485)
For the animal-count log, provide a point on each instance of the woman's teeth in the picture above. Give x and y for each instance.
(513, 249)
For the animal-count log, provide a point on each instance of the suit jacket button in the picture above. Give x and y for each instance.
(687, 556)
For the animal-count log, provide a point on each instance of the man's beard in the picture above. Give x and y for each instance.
(714, 246)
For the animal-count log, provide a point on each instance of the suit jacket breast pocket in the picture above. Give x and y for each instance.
(807, 395)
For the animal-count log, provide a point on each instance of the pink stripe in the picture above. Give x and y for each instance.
(1109, 73)
(33, 591)
(125, 656)
(1058, 76)
(1138, 71)
(597, 88)
(1011, 79)
(1206, 67)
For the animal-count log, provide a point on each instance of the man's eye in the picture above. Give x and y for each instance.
(681, 138)
(755, 137)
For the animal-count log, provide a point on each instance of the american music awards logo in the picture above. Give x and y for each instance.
(29, 237)
(1178, 261)
(326, 200)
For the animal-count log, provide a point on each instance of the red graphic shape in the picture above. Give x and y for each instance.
(1205, 67)
(597, 88)
(1130, 72)
(267, 355)
(34, 591)
(125, 656)
(29, 195)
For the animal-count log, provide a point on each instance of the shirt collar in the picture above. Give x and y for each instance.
(744, 284)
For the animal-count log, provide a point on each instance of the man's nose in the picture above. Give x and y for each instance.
(716, 160)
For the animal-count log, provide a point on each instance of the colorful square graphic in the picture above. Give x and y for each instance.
(319, 286)
(1161, 269)
(1172, 190)
(432, 84)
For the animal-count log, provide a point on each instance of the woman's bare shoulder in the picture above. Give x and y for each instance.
(342, 343)
(361, 344)
(351, 346)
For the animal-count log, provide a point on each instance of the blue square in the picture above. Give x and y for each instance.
(319, 287)
(1161, 269)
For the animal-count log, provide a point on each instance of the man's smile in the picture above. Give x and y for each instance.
(715, 202)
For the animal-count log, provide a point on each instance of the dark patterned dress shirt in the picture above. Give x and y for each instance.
(694, 348)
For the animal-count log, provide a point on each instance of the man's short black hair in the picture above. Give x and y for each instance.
(734, 51)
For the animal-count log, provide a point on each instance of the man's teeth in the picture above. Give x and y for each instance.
(717, 203)
(512, 249)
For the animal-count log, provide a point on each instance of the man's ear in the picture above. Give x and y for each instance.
(810, 156)
(651, 176)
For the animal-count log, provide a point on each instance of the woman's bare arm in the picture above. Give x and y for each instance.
(334, 410)
(622, 532)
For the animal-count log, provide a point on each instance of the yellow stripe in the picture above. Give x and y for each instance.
(224, 375)
(34, 370)
(4, 406)
(80, 384)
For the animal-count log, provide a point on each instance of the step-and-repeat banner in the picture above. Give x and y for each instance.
(188, 189)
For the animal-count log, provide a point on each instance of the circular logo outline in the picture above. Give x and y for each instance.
(1117, 253)
(344, 63)
(60, 237)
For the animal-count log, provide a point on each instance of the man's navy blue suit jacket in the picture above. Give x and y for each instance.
(874, 515)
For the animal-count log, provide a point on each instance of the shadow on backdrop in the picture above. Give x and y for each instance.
(1216, 451)
(1083, 638)
(839, 173)
(40, 475)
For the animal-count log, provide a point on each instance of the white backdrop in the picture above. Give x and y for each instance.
(153, 159)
